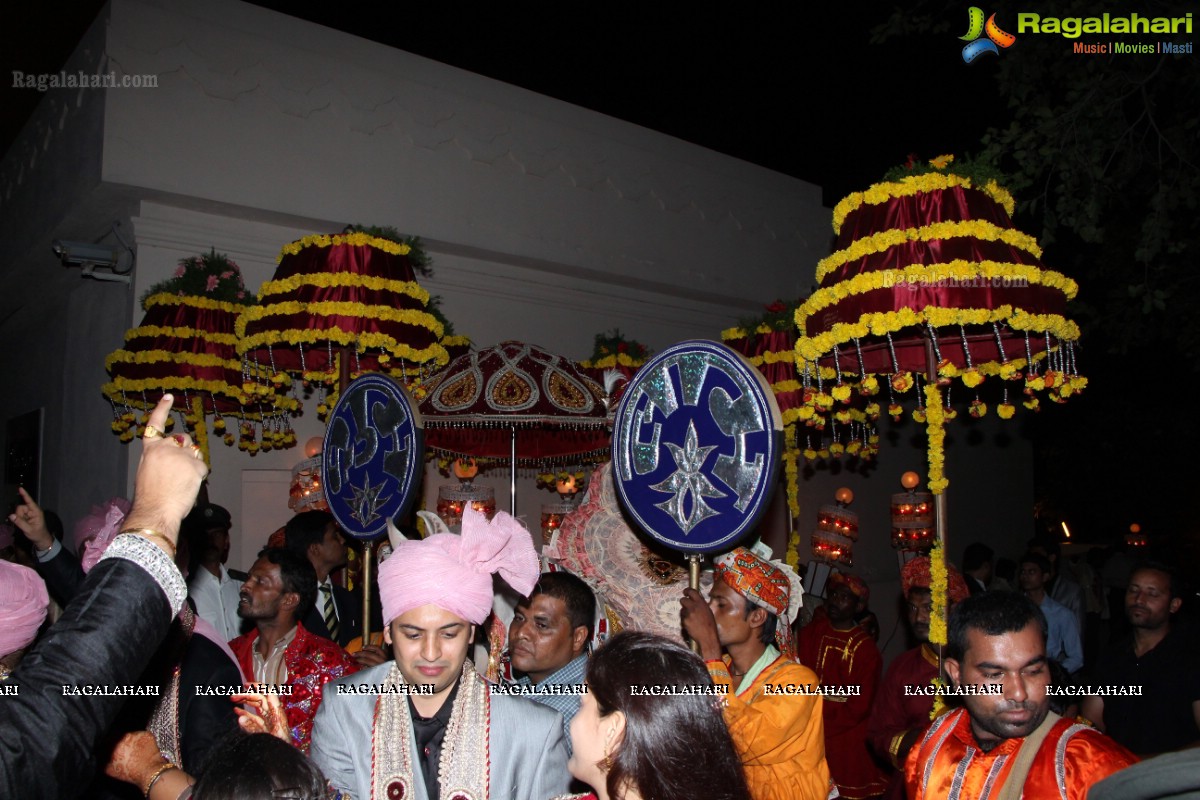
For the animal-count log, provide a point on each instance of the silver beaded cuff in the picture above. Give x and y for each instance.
(151, 558)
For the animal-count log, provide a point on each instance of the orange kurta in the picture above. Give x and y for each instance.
(948, 764)
(780, 737)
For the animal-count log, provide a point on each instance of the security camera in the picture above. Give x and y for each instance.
(101, 262)
(76, 254)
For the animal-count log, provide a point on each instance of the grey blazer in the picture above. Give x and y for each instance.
(527, 751)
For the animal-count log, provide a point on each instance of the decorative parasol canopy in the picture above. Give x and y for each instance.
(930, 280)
(185, 345)
(614, 362)
(769, 344)
(931, 264)
(471, 407)
(350, 290)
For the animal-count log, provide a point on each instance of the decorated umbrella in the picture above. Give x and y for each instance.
(931, 282)
(516, 401)
(340, 306)
(343, 305)
(185, 346)
(768, 342)
(615, 358)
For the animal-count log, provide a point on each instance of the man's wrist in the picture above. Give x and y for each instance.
(148, 520)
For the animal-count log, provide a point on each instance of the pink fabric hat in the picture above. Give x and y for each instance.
(23, 604)
(455, 572)
(95, 532)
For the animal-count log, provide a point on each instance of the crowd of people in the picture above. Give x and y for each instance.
(243, 685)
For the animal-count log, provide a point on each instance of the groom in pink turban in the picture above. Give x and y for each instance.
(23, 604)
(426, 726)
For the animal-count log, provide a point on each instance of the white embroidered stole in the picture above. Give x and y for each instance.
(464, 761)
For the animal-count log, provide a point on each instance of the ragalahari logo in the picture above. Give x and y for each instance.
(976, 28)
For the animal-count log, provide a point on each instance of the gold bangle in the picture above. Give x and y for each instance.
(894, 748)
(150, 533)
(158, 773)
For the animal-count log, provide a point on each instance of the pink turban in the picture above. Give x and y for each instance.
(23, 604)
(95, 532)
(455, 572)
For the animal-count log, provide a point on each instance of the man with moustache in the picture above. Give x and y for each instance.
(548, 639)
(1160, 660)
(771, 706)
(426, 725)
(279, 651)
(900, 714)
(1006, 734)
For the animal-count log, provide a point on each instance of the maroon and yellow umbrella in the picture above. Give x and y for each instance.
(185, 345)
(349, 297)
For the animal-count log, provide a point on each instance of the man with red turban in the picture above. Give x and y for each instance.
(426, 726)
(771, 705)
(901, 714)
(845, 657)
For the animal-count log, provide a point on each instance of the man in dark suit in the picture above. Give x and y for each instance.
(977, 567)
(336, 614)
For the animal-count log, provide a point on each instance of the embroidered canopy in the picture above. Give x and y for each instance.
(559, 413)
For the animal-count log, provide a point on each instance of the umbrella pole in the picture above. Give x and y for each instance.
(939, 499)
(368, 563)
(344, 356)
(512, 472)
(693, 560)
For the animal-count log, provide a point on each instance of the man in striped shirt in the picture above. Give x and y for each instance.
(548, 641)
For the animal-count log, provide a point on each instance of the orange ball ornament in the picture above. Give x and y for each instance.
(1135, 528)
(844, 496)
(910, 480)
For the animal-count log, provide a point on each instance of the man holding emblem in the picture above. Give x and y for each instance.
(773, 707)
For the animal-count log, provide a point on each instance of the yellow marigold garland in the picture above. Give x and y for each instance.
(733, 334)
(199, 429)
(168, 299)
(812, 348)
(327, 280)
(883, 192)
(878, 242)
(937, 588)
(935, 416)
(158, 356)
(958, 271)
(154, 331)
(331, 308)
(612, 360)
(355, 239)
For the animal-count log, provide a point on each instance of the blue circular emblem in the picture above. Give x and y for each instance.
(374, 455)
(696, 447)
